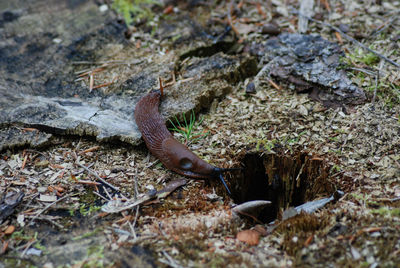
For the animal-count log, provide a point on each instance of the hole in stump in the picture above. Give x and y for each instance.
(285, 180)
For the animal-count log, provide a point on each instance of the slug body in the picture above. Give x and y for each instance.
(160, 142)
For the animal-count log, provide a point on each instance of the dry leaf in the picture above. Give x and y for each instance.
(249, 237)
(10, 229)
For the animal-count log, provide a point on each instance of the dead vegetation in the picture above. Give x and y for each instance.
(65, 184)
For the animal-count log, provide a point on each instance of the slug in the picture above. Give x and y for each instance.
(160, 142)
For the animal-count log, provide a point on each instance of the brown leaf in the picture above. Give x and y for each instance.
(249, 237)
(10, 229)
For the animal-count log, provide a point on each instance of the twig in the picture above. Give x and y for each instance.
(170, 261)
(257, 79)
(275, 85)
(27, 246)
(376, 82)
(137, 207)
(99, 195)
(161, 229)
(136, 61)
(385, 25)
(47, 218)
(88, 182)
(98, 177)
(105, 84)
(230, 19)
(108, 194)
(351, 39)
(31, 198)
(47, 207)
(363, 70)
(306, 7)
(300, 172)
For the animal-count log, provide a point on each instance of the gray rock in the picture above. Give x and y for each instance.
(310, 63)
(38, 72)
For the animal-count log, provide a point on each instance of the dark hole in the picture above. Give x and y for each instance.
(285, 180)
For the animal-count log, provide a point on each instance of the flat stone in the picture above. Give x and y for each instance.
(311, 64)
(38, 87)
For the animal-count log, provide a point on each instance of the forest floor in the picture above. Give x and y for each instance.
(60, 222)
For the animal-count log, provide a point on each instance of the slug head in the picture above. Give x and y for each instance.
(183, 161)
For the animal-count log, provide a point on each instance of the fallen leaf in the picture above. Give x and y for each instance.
(10, 229)
(250, 237)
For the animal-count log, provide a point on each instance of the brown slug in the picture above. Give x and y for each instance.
(160, 142)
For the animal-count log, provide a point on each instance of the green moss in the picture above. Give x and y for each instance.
(370, 59)
(335, 169)
(86, 235)
(16, 262)
(132, 10)
(387, 211)
(361, 56)
(94, 258)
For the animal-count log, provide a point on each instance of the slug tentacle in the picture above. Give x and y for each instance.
(160, 142)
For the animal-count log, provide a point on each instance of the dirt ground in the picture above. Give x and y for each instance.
(60, 222)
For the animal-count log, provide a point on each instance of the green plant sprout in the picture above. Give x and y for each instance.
(134, 9)
(186, 129)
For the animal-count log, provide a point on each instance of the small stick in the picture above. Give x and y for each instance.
(376, 82)
(49, 219)
(91, 81)
(274, 84)
(108, 194)
(108, 62)
(91, 149)
(170, 261)
(24, 162)
(230, 19)
(105, 84)
(137, 208)
(385, 25)
(351, 39)
(306, 7)
(91, 71)
(99, 195)
(27, 246)
(88, 182)
(98, 177)
(29, 129)
(47, 207)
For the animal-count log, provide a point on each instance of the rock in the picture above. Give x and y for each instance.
(270, 29)
(311, 64)
(38, 87)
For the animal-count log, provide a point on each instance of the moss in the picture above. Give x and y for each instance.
(132, 10)
(94, 258)
(86, 235)
(298, 229)
(387, 211)
(9, 261)
(360, 56)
